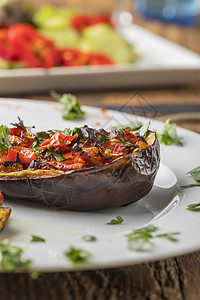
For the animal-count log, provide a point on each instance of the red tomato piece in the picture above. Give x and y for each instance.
(1, 197)
(33, 48)
(100, 18)
(99, 59)
(26, 155)
(73, 57)
(59, 141)
(80, 21)
(7, 50)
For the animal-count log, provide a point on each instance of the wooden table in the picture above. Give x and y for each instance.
(171, 279)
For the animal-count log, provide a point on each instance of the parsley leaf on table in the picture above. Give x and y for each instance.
(89, 238)
(118, 220)
(36, 238)
(195, 173)
(194, 207)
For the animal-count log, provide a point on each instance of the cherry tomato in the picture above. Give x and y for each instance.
(7, 50)
(33, 48)
(101, 18)
(80, 21)
(73, 57)
(59, 141)
(99, 59)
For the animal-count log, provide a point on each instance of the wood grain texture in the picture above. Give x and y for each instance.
(171, 279)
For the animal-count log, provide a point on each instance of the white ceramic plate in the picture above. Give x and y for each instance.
(161, 62)
(165, 206)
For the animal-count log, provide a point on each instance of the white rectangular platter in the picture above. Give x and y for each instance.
(160, 63)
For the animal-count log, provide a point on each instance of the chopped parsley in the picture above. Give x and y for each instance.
(118, 220)
(169, 135)
(89, 238)
(11, 259)
(77, 256)
(134, 126)
(194, 207)
(4, 141)
(35, 238)
(20, 125)
(141, 239)
(58, 156)
(70, 107)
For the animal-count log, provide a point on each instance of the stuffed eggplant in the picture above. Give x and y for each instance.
(82, 169)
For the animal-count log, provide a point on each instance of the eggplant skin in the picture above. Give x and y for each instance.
(124, 181)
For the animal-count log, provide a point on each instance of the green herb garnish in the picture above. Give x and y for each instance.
(11, 258)
(20, 125)
(77, 255)
(142, 239)
(89, 238)
(35, 238)
(58, 156)
(194, 207)
(169, 135)
(195, 173)
(132, 125)
(118, 220)
(71, 110)
(168, 236)
(144, 129)
(4, 141)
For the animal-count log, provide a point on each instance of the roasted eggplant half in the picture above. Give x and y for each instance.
(82, 169)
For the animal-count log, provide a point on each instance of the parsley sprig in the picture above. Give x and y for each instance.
(195, 173)
(70, 107)
(141, 239)
(118, 220)
(169, 135)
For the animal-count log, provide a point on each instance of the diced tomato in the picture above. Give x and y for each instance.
(101, 18)
(26, 155)
(58, 141)
(117, 147)
(7, 50)
(80, 21)
(73, 57)
(33, 48)
(68, 155)
(1, 197)
(15, 131)
(99, 59)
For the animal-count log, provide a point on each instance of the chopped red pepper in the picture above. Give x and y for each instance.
(117, 147)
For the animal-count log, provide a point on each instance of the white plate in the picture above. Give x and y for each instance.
(165, 206)
(161, 62)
